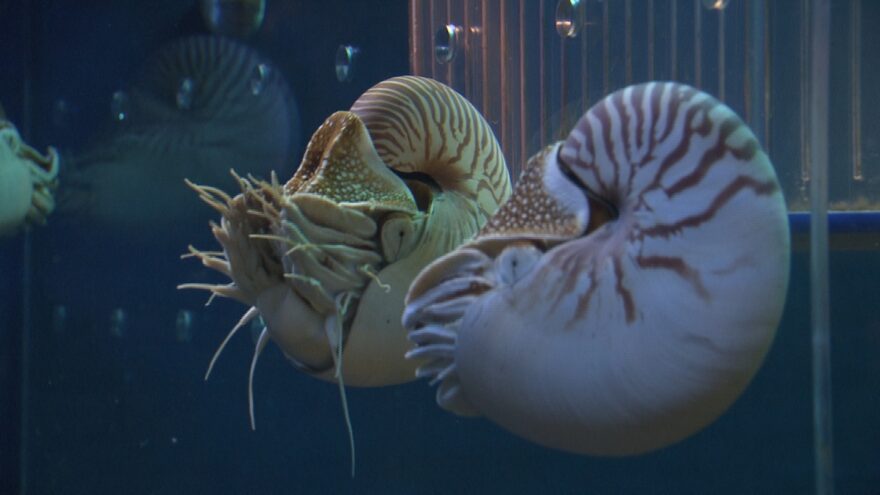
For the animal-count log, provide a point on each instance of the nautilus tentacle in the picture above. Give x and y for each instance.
(27, 181)
(628, 291)
(408, 174)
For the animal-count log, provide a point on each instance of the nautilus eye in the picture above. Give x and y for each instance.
(408, 174)
(27, 180)
(627, 292)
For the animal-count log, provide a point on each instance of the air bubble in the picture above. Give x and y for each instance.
(346, 57)
(185, 93)
(184, 326)
(239, 18)
(568, 16)
(446, 43)
(260, 78)
(119, 105)
(61, 113)
(118, 323)
(59, 319)
(715, 4)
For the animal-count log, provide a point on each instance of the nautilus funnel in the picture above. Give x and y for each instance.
(200, 106)
(407, 174)
(628, 291)
(27, 181)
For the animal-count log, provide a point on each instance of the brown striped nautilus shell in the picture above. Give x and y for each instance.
(627, 293)
(409, 173)
(27, 180)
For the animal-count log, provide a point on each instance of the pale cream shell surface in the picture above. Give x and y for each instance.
(626, 334)
(325, 260)
(417, 125)
(327, 239)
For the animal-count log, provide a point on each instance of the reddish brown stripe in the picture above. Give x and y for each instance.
(411, 116)
(655, 111)
(604, 130)
(637, 98)
(676, 155)
(624, 117)
(583, 305)
(629, 305)
(709, 158)
(675, 100)
(742, 182)
(677, 265)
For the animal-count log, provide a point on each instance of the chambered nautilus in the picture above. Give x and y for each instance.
(199, 106)
(27, 179)
(628, 291)
(408, 174)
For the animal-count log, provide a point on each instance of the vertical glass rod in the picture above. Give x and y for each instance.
(819, 291)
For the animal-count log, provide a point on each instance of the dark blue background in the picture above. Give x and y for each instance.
(131, 414)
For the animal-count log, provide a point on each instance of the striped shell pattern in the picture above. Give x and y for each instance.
(408, 174)
(627, 293)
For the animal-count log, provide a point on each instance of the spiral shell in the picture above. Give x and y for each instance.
(409, 173)
(212, 91)
(200, 106)
(627, 293)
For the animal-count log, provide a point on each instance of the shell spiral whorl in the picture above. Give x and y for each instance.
(409, 173)
(325, 260)
(420, 125)
(627, 293)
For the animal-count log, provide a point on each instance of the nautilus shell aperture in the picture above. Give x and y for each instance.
(629, 290)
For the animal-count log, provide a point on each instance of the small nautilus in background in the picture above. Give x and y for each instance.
(200, 106)
(405, 176)
(628, 291)
(27, 180)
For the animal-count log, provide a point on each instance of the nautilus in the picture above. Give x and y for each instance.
(199, 106)
(627, 292)
(408, 174)
(27, 180)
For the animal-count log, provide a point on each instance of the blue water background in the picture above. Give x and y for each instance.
(132, 414)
